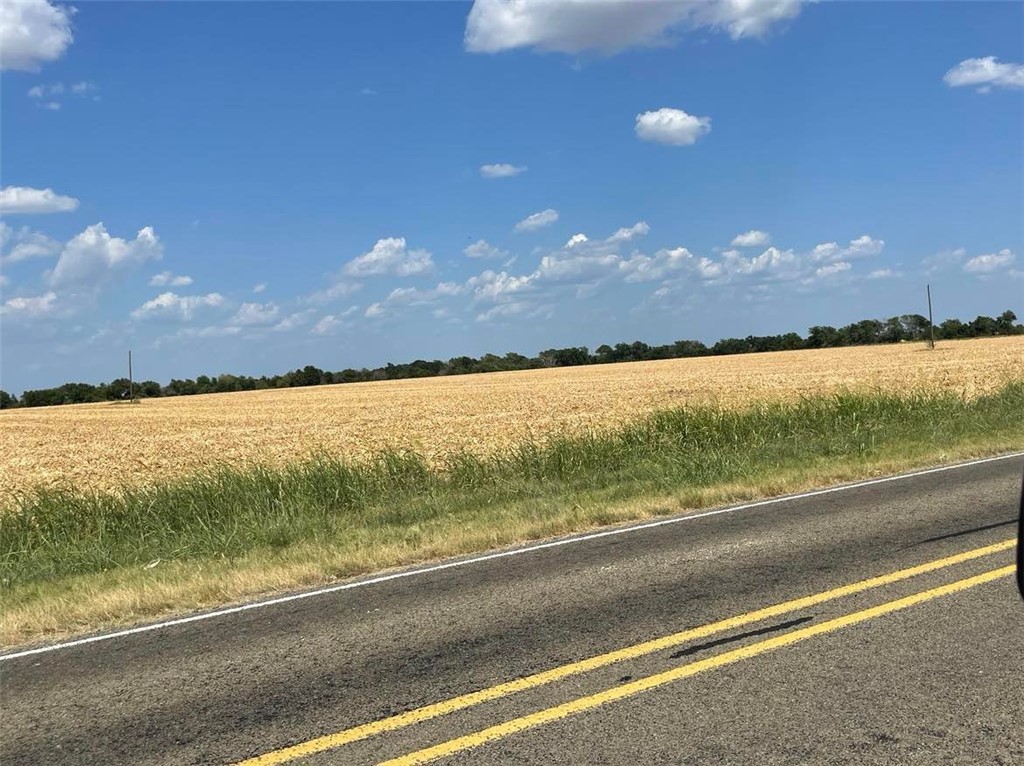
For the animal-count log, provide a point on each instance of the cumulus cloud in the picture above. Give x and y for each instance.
(170, 305)
(93, 254)
(484, 250)
(414, 296)
(608, 26)
(832, 269)
(295, 320)
(260, 287)
(25, 243)
(537, 220)
(643, 268)
(862, 247)
(340, 289)
(986, 264)
(752, 238)
(32, 33)
(985, 73)
(168, 279)
(30, 308)
(326, 325)
(255, 314)
(673, 127)
(501, 170)
(24, 200)
(772, 261)
(638, 229)
(390, 256)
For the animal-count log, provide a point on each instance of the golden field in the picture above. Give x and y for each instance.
(102, 446)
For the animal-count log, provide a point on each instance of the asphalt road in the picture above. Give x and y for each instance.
(923, 667)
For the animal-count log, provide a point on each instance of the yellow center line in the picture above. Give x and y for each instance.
(437, 709)
(652, 682)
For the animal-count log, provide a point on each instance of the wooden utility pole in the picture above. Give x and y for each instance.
(931, 324)
(131, 384)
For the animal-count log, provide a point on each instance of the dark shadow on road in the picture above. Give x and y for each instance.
(739, 637)
(963, 532)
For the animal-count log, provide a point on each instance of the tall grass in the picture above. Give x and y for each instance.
(227, 513)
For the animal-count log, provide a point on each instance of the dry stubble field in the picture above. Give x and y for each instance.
(102, 446)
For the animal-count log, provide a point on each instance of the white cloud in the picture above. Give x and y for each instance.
(4, 281)
(986, 264)
(575, 240)
(340, 289)
(26, 244)
(861, 247)
(167, 279)
(49, 96)
(574, 26)
(773, 262)
(251, 314)
(30, 308)
(496, 286)
(24, 200)
(882, 274)
(173, 306)
(638, 229)
(414, 296)
(986, 73)
(832, 269)
(46, 91)
(326, 325)
(483, 249)
(752, 238)
(33, 32)
(260, 287)
(671, 126)
(501, 170)
(294, 321)
(643, 268)
(537, 220)
(943, 260)
(391, 256)
(93, 254)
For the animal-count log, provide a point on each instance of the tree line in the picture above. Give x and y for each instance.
(909, 327)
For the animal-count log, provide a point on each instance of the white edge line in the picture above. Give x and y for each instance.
(489, 557)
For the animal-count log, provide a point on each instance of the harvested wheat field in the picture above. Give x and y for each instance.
(102, 446)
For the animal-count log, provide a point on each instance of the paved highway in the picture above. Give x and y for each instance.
(877, 624)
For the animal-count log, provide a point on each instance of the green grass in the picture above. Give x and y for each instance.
(207, 537)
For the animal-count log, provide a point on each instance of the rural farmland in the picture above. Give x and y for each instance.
(104, 446)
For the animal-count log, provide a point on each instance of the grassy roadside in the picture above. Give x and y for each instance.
(72, 562)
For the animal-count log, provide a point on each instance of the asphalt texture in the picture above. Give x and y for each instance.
(941, 682)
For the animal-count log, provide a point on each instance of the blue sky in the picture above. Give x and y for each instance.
(251, 187)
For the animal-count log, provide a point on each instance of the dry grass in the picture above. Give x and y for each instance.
(100, 446)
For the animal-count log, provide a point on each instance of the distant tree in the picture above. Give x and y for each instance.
(915, 326)
(893, 331)
(118, 389)
(7, 401)
(148, 388)
(683, 348)
(983, 327)
(1005, 323)
(822, 336)
(952, 329)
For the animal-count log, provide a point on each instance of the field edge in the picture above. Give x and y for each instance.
(96, 603)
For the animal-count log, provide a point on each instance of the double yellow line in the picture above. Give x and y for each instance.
(539, 718)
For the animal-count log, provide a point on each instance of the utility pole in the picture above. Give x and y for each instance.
(131, 384)
(931, 324)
